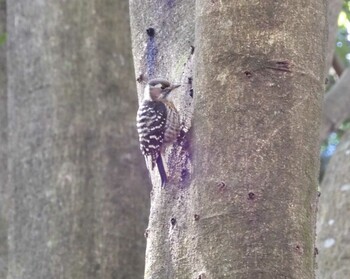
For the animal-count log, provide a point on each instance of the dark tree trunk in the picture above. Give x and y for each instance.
(79, 200)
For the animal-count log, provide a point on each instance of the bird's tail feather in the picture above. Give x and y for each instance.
(163, 176)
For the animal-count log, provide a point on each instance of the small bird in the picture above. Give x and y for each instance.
(158, 123)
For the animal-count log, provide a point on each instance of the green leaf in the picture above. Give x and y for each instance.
(2, 39)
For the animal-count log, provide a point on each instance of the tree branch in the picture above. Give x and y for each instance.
(336, 105)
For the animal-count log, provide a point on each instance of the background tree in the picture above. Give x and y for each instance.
(334, 7)
(79, 195)
(333, 225)
(249, 211)
(334, 207)
(337, 99)
(3, 145)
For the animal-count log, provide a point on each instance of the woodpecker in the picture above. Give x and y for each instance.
(158, 123)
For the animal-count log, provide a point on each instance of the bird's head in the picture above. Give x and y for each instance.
(158, 88)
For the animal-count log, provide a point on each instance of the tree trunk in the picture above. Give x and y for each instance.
(163, 39)
(333, 222)
(3, 146)
(249, 211)
(257, 110)
(79, 195)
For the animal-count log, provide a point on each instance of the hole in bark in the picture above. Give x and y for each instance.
(192, 49)
(150, 32)
(316, 251)
(189, 80)
(191, 93)
(173, 221)
(318, 194)
(221, 185)
(251, 196)
(146, 233)
(248, 74)
(299, 249)
(196, 217)
(140, 78)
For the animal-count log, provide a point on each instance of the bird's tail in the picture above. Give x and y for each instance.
(163, 176)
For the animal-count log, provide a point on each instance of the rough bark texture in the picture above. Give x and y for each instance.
(79, 200)
(333, 222)
(3, 145)
(336, 105)
(259, 87)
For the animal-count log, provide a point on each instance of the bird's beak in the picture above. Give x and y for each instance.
(167, 90)
(174, 86)
(171, 87)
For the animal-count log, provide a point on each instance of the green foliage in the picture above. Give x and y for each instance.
(331, 80)
(2, 39)
(343, 49)
(342, 52)
(343, 36)
(344, 127)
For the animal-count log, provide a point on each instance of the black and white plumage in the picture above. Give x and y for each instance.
(158, 123)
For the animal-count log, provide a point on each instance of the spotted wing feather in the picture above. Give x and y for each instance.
(151, 121)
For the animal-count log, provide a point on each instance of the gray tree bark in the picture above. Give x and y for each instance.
(163, 40)
(257, 114)
(333, 221)
(79, 200)
(249, 211)
(3, 145)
